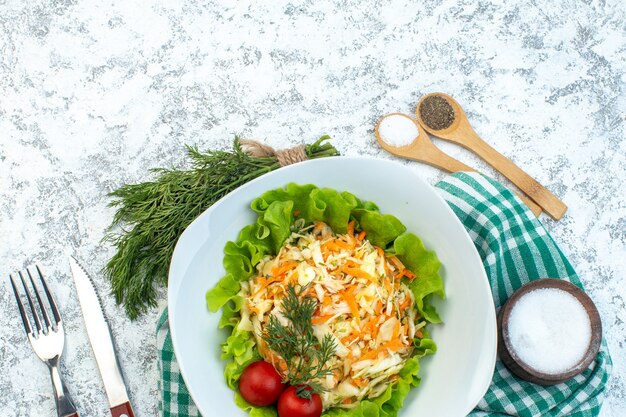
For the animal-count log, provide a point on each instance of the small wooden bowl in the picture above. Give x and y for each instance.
(516, 365)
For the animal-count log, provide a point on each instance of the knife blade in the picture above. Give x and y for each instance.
(101, 342)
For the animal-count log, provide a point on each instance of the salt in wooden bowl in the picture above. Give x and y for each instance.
(511, 358)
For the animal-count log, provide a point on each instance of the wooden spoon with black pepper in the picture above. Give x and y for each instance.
(422, 149)
(441, 116)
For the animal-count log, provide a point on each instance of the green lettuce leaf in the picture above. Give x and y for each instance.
(425, 265)
(381, 228)
(278, 219)
(253, 409)
(225, 289)
(240, 349)
(230, 312)
(277, 210)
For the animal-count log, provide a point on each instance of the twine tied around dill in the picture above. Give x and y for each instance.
(284, 156)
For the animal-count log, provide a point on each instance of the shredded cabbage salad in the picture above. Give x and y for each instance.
(373, 282)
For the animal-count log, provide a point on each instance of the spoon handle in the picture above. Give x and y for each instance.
(537, 192)
(534, 207)
(439, 159)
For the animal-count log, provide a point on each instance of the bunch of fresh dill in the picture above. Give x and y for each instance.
(152, 215)
(306, 357)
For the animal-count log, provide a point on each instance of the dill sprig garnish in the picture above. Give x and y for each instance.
(305, 355)
(152, 215)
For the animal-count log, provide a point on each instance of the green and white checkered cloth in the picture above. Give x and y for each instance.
(515, 248)
(175, 398)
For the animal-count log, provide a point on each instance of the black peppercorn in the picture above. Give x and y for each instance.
(436, 112)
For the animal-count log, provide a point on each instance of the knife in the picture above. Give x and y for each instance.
(101, 342)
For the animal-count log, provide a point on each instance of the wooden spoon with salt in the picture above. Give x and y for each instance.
(441, 116)
(422, 149)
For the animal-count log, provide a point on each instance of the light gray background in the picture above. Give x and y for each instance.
(93, 94)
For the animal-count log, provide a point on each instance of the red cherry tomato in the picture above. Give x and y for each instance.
(290, 405)
(260, 384)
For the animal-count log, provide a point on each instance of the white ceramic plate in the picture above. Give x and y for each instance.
(453, 380)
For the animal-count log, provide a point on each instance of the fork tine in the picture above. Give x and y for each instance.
(44, 310)
(20, 307)
(53, 305)
(30, 303)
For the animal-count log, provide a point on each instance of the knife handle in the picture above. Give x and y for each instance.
(122, 410)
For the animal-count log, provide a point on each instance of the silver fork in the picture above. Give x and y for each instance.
(46, 338)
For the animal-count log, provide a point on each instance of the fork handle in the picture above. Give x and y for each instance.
(64, 402)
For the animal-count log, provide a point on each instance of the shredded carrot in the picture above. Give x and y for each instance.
(393, 345)
(359, 273)
(360, 382)
(371, 328)
(337, 245)
(396, 262)
(284, 268)
(297, 213)
(406, 273)
(265, 283)
(379, 308)
(347, 400)
(372, 354)
(388, 286)
(396, 283)
(351, 228)
(348, 296)
(351, 264)
(361, 236)
(344, 245)
(333, 246)
(410, 275)
(381, 253)
(366, 329)
(322, 319)
(346, 340)
(375, 329)
(405, 303)
(327, 301)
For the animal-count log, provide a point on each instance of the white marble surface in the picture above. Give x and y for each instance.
(93, 94)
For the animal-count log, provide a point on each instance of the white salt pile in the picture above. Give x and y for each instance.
(549, 330)
(397, 130)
